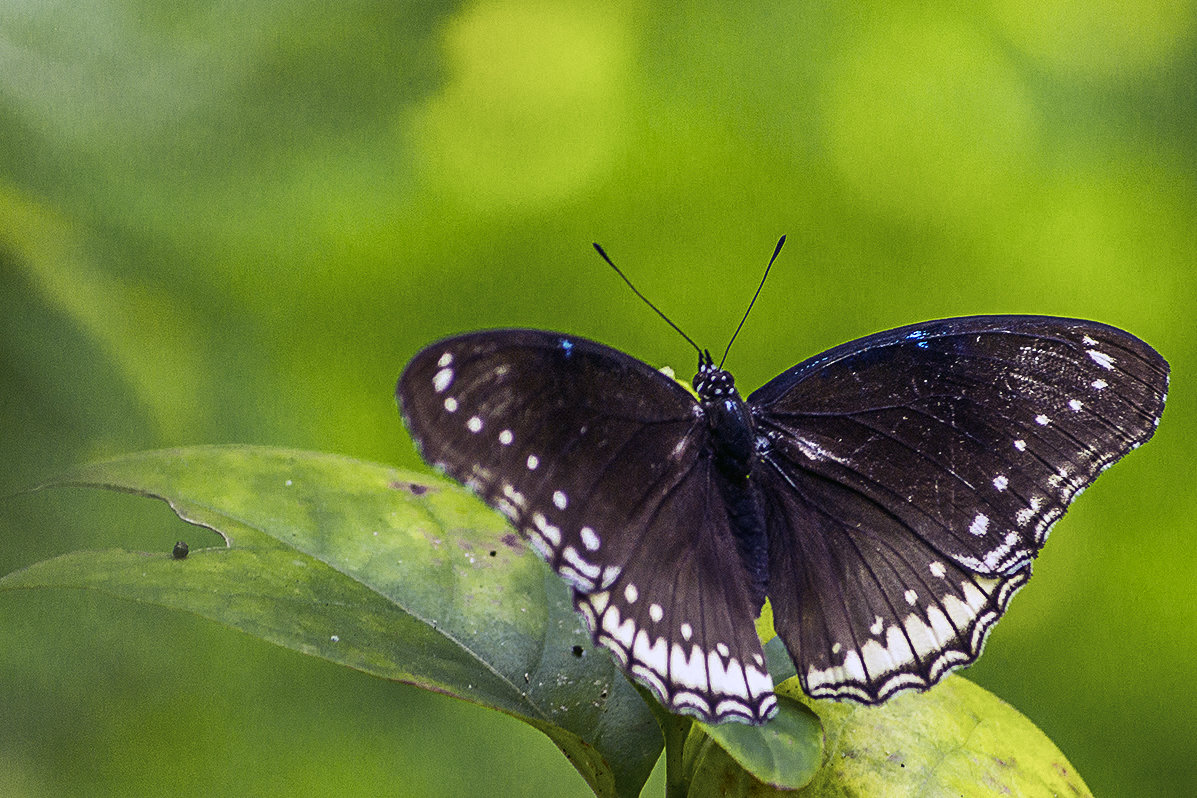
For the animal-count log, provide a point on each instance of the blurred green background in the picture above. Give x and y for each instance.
(235, 222)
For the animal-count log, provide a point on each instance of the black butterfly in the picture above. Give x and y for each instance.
(888, 495)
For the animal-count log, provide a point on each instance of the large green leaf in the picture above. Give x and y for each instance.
(954, 741)
(382, 571)
(416, 581)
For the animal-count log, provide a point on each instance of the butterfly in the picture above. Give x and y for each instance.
(887, 496)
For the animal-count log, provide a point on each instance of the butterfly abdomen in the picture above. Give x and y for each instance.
(752, 542)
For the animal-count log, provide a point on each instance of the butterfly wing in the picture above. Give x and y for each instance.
(604, 464)
(911, 476)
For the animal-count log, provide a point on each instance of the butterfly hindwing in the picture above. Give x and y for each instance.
(603, 463)
(865, 608)
(930, 462)
(679, 618)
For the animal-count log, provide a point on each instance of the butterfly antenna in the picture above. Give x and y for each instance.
(603, 255)
(780, 241)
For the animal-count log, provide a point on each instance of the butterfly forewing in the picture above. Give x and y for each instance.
(603, 463)
(929, 463)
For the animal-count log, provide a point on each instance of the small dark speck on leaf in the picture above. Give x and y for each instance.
(413, 488)
(578, 651)
(493, 553)
(180, 550)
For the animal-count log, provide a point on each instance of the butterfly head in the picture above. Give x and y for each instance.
(712, 382)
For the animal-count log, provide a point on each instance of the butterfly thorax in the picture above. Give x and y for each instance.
(728, 418)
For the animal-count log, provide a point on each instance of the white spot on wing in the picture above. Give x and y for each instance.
(533, 462)
(655, 655)
(599, 601)
(921, 636)
(610, 574)
(450, 404)
(1000, 482)
(631, 593)
(688, 671)
(551, 533)
(758, 681)
(474, 424)
(1101, 359)
(655, 612)
(1020, 445)
(938, 570)
(1075, 405)
(687, 632)
(588, 569)
(445, 360)
(442, 380)
(878, 625)
(980, 525)
(1042, 420)
(589, 539)
(506, 437)
(911, 597)
(816, 453)
(560, 500)
(1099, 384)
(515, 496)
(619, 632)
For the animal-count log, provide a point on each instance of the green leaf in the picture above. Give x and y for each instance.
(380, 570)
(415, 581)
(786, 752)
(955, 740)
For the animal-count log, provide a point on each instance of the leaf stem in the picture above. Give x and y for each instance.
(677, 780)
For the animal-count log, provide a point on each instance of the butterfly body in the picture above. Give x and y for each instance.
(734, 445)
(887, 496)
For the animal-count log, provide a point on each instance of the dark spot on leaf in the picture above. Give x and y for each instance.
(578, 651)
(180, 550)
(414, 488)
(604, 693)
(493, 553)
(512, 541)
